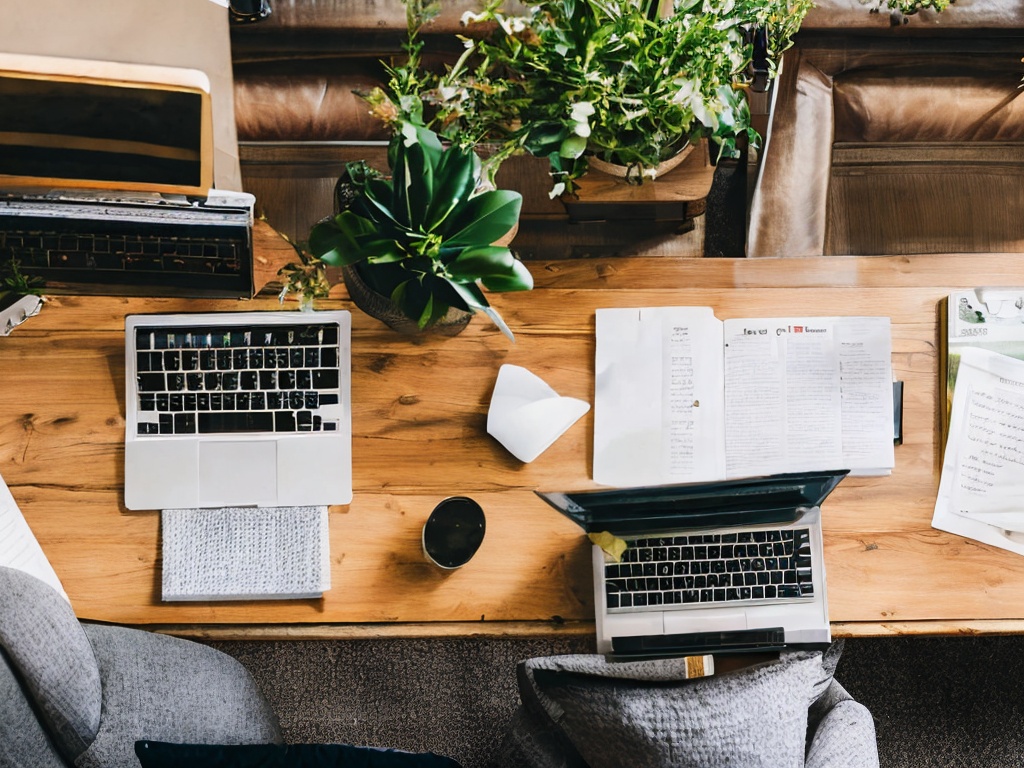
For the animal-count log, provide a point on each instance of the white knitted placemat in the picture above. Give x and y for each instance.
(245, 553)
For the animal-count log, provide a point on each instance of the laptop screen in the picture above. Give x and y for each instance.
(70, 124)
(747, 501)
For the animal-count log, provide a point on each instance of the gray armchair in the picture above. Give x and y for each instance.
(82, 694)
(580, 711)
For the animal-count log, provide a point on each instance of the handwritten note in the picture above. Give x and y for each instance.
(983, 469)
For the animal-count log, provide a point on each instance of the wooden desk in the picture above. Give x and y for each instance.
(419, 435)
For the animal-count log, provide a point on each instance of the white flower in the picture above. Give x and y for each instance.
(471, 18)
(512, 25)
(689, 95)
(581, 110)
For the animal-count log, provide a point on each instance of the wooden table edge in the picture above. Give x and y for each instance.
(513, 630)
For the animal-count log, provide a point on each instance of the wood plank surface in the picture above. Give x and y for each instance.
(419, 435)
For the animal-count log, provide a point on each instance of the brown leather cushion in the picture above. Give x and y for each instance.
(278, 101)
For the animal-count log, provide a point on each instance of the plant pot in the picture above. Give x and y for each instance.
(632, 175)
(381, 308)
(678, 193)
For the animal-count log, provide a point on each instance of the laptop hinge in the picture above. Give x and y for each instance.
(694, 643)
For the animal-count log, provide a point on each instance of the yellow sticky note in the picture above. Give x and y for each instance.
(612, 545)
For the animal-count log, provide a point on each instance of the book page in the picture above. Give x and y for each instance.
(983, 468)
(782, 396)
(865, 364)
(658, 396)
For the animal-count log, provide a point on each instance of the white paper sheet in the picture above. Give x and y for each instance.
(19, 547)
(981, 488)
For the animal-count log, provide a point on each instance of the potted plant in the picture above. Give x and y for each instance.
(627, 82)
(422, 243)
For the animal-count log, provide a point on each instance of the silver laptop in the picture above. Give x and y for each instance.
(238, 409)
(730, 566)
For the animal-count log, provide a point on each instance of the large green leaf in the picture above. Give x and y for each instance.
(455, 179)
(485, 218)
(336, 241)
(495, 266)
(476, 301)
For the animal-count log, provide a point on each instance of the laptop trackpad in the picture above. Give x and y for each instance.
(237, 473)
(677, 622)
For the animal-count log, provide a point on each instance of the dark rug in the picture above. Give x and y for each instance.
(944, 702)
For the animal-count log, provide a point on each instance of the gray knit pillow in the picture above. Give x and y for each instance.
(644, 716)
(23, 742)
(51, 655)
(166, 688)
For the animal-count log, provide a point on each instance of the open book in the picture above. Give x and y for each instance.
(682, 396)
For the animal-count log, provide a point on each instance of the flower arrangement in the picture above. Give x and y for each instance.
(630, 82)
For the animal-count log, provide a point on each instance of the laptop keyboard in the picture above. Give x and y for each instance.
(710, 569)
(217, 379)
(167, 257)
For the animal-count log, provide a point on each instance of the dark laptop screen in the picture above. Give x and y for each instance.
(88, 132)
(747, 501)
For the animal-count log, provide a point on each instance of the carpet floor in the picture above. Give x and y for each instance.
(944, 702)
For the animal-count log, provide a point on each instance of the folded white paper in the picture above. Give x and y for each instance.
(526, 415)
(19, 547)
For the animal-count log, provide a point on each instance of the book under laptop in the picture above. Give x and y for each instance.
(727, 566)
(106, 180)
(234, 409)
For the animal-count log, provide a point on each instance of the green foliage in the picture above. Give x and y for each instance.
(424, 237)
(14, 283)
(306, 278)
(907, 7)
(618, 79)
(572, 79)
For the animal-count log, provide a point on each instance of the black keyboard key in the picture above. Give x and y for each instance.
(238, 421)
(184, 423)
(194, 382)
(151, 382)
(284, 421)
(250, 380)
(303, 380)
(286, 380)
(325, 378)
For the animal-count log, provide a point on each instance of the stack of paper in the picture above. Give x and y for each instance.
(982, 483)
(251, 553)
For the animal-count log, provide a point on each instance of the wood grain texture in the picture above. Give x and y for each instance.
(419, 435)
